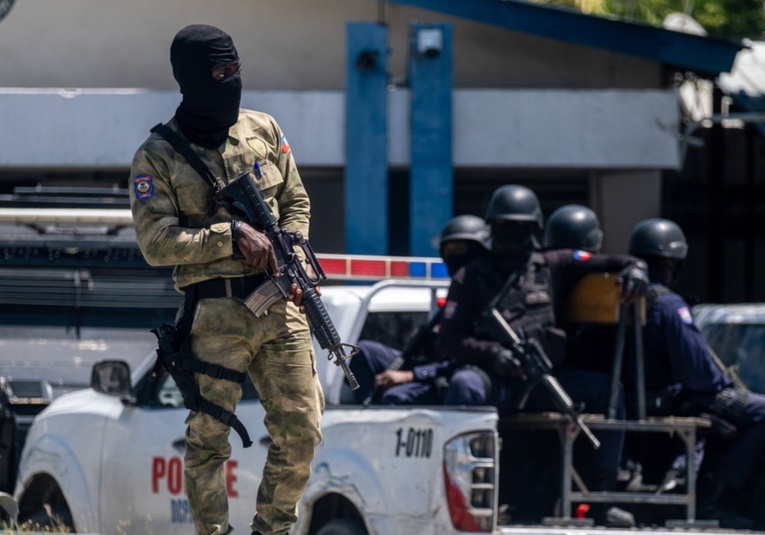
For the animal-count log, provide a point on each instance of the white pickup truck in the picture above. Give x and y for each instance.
(102, 461)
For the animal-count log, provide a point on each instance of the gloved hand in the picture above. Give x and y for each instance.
(505, 364)
(255, 247)
(634, 281)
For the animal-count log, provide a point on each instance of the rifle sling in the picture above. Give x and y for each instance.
(184, 149)
(184, 327)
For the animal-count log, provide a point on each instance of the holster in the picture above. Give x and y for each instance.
(174, 355)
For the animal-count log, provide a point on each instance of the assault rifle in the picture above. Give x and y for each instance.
(537, 368)
(242, 198)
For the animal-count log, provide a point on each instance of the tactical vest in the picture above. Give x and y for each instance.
(528, 307)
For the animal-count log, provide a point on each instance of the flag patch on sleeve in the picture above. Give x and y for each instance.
(285, 145)
(449, 309)
(685, 315)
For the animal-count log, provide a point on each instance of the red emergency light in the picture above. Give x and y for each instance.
(369, 267)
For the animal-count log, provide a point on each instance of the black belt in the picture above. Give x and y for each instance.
(239, 287)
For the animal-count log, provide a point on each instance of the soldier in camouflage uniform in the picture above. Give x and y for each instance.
(222, 260)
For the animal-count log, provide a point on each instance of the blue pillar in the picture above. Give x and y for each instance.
(430, 175)
(366, 148)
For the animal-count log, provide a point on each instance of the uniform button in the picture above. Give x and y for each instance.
(220, 244)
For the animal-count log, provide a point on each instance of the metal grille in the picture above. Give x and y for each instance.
(82, 288)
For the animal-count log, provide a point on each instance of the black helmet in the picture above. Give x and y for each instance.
(658, 237)
(573, 227)
(514, 203)
(465, 227)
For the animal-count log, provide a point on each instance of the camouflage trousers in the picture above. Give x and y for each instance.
(276, 350)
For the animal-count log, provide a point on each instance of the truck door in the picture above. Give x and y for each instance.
(143, 458)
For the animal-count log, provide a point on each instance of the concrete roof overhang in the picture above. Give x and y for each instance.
(705, 56)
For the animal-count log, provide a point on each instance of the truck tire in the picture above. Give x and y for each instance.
(343, 526)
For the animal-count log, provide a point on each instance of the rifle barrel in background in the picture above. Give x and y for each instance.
(537, 367)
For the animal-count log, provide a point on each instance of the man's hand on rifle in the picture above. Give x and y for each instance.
(505, 364)
(296, 296)
(255, 247)
(634, 282)
(390, 378)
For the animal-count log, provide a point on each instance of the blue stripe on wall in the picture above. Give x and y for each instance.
(430, 177)
(366, 169)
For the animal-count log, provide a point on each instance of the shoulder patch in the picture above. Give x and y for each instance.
(285, 145)
(449, 309)
(143, 187)
(685, 315)
(582, 256)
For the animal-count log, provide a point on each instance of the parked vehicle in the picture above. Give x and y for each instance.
(736, 333)
(74, 289)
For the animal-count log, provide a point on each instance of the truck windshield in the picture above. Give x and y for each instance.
(741, 345)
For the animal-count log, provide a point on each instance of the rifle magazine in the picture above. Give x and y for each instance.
(264, 296)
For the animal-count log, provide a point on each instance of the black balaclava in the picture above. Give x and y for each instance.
(456, 261)
(511, 244)
(663, 270)
(209, 107)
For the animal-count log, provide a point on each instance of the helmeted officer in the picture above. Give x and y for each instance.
(577, 227)
(527, 287)
(684, 370)
(424, 374)
(573, 226)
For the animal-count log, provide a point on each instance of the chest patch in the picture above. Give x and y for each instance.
(258, 146)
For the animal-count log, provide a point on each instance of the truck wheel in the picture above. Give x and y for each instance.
(343, 526)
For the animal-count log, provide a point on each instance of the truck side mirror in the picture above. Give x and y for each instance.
(111, 377)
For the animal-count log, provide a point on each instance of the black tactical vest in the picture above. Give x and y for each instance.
(527, 305)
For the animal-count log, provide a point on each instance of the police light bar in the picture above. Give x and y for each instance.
(370, 267)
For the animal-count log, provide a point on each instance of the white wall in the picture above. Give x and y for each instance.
(284, 44)
(558, 129)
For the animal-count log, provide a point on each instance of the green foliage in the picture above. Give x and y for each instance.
(721, 18)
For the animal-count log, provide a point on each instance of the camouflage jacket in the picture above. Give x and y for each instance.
(176, 221)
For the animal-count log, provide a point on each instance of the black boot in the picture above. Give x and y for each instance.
(606, 514)
(713, 504)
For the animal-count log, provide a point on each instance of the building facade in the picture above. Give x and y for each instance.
(580, 109)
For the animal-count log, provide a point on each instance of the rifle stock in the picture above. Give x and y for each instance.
(537, 367)
(242, 198)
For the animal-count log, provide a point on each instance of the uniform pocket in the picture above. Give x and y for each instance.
(270, 185)
(193, 199)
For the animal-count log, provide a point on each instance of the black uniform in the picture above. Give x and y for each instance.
(539, 291)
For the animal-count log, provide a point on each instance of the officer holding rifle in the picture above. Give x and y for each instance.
(219, 261)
